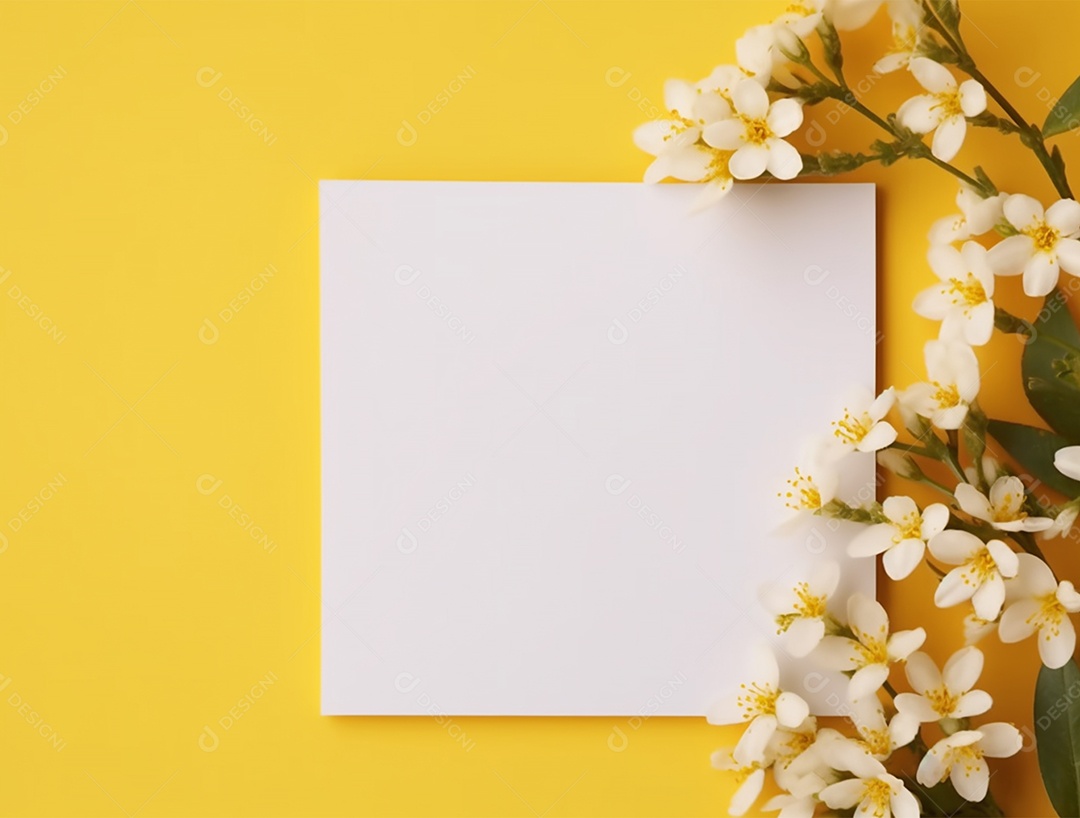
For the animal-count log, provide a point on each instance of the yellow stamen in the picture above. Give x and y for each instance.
(851, 429)
(873, 652)
(1044, 236)
(877, 741)
(1049, 617)
(718, 166)
(909, 528)
(803, 494)
(807, 606)
(1004, 513)
(970, 292)
(949, 103)
(981, 568)
(943, 702)
(879, 794)
(757, 700)
(947, 396)
(757, 131)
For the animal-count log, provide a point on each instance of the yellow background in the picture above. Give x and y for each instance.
(135, 205)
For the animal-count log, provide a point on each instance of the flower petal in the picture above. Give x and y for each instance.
(1041, 274)
(873, 540)
(919, 114)
(954, 546)
(1067, 461)
(971, 779)
(867, 681)
(784, 161)
(955, 587)
(975, 503)
(1000, 740)
(949, 138)
(725, 135)
(785, 115)
(972, 703)
(750, 99)
(903, 643)
(1056, 649)
(1016, 621)
(1064, 215)
(922, 673)
(989, 597)
(791, 709)
(904, 558)
(932, 76)
(749, 161)
(962, 669)
(1022, 210)
(972, 98)
(747, 793)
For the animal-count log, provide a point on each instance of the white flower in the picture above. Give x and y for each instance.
(1038, 603)
(862, 427)
(797, 762)
(962, 301)
(1067, 461)
(879, 736)
(899, 463)
(814, 485)
(944, 695)
(906, 29)
(981, 575)
(977, 216)
(903, 538)
(800, 610)
(976, 628)
(876, 795)
(1047, 243)
(954, 383)
(1063, 522)
(872, 650)
(675, 142)
(1004, 508)
(756, 132)
(960, 758)
(760, 51)
(944, 109)
(764, 705)
(749, 780)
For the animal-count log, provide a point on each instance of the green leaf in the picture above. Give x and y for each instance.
(1057, 734)
(1051, 368)
(1066, 114)
(1034, 450)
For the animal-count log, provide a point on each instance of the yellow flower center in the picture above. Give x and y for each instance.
(851, 429)
(802, 493)
(905, 38)
(757, 131)
(965, 757)
(982, 566)
(943, 702)
(679, 125)
(799, 8)
(873, 652)
(807, 606)
(878, 793)
(1003, 512)
(744, 773)
(718, 166)
(1049, 616)
(949, 103)
(877, 742)
(947, 396)
(909, 528)
(1044, 236)
(969, 292)
(757, 700)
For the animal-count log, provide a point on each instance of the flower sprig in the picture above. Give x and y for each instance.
(983, 539)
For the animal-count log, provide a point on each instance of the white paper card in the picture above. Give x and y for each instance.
(555, 418)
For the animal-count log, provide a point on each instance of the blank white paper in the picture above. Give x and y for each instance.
(555, 419)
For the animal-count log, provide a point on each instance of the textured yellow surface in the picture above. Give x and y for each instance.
(159, 487)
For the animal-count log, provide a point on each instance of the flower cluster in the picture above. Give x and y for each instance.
(983, 536)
